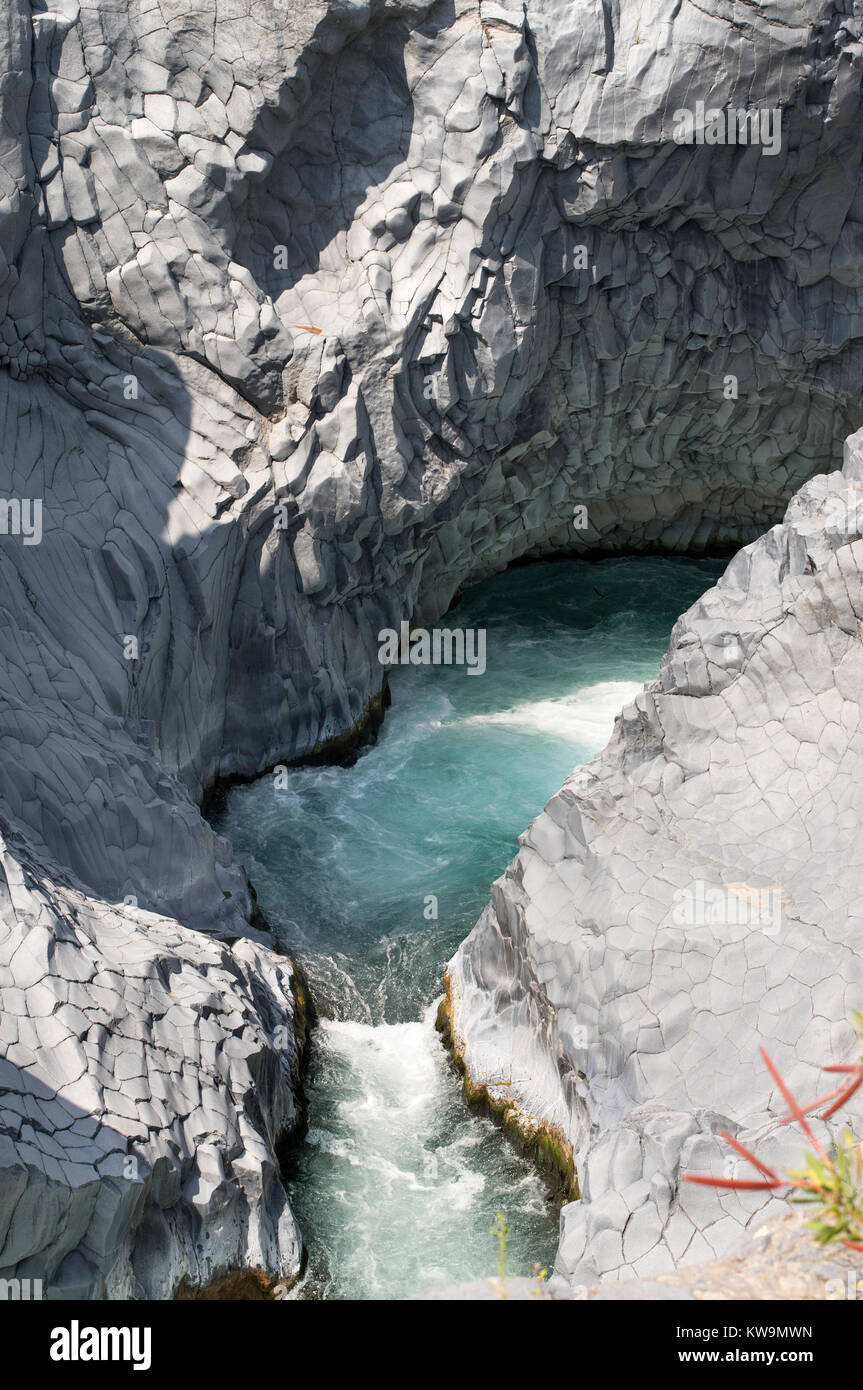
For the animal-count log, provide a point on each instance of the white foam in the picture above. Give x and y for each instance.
(586, 717)
(396, 1063)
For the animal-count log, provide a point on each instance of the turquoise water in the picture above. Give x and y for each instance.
(372, 875)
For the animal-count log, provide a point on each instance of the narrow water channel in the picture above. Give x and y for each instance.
(372, 875)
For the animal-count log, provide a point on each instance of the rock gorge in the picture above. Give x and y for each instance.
(311, 315)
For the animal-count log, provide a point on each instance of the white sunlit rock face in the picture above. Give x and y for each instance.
(691, 896)
(311, 313)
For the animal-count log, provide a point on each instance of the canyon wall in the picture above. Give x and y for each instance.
(689, 897)
(310, 315)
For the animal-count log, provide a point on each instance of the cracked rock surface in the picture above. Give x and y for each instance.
(142, 1087)
(779, 1261)
(310, 313)
(689, 896)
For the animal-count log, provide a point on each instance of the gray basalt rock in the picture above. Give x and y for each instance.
(310, 314)
(780, 1261)
(691, 895)
(146, 1073)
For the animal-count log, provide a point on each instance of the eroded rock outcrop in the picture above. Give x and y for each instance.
(311, 313)
(143, 1089)
(690, 895)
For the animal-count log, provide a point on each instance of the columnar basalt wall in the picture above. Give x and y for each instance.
(311, 314)
(690, 896)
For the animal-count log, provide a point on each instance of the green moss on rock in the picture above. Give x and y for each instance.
(547, 1149)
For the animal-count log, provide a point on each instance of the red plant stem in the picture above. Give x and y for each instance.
(794, 1108)
(843, 1092)
(837, 1090)
(738, 1184)
(844, 1098)
(750, 1157)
